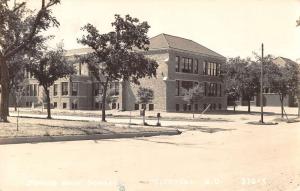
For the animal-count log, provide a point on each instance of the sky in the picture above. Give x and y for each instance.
(229, 27)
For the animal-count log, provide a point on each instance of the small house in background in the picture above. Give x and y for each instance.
(271, 98)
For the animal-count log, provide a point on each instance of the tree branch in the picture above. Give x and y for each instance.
(18, 7)
(10, 51)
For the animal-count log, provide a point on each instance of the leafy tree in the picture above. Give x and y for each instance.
(114, 57)
(48, 68)
(243, 78)
(19, 30)
(19, 93)
(283, 80)
(232, 94)
(145, 96)
(194, 95)
(16, 76)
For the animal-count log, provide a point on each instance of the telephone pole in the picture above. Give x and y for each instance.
(261, 85)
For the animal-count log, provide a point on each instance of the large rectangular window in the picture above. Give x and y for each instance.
(75, 88)
(177, 88)
(64, 88)
(186, 85)
(34, 90)
(28, 90)
(187, 65)
(31, 90)
(190, 61)
(213, 89)
(114, 88)
(177, 64)
(177, 107)
(151, 107)
(205, 67)
(98, 89)
(218, 69)
(55, 88)
(196, 67)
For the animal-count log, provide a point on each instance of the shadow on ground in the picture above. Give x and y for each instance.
(205, 129)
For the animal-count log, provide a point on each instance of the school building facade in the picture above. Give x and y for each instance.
(183, 64)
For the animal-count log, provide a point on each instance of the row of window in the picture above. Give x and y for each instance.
(28, 75)
(32, 90)
(113, 88)
(65, 89)
(144, 106)
(114, 105)
(189, 65)
(210, 89)
(196, 107)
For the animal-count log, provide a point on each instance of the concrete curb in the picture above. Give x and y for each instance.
(37, 139)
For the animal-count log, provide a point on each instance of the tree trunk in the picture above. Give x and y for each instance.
(15, 101)
(104, 101)
(144, 116)
(249, 105)
(4, 91)
(234, 107)
(281, 103)
(48, 102)
(193, 109)
(7, 109)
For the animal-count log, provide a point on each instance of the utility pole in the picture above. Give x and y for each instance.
(261, 85)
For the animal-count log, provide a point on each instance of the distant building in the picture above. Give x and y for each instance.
(271, 98)
(182, 63)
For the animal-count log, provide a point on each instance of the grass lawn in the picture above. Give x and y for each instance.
(51, 127)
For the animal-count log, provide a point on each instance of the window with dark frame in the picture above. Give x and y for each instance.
(177, 89)
(55, 88)
(151, 107)
(187, 65)
(184, 107)
(196, 67)
(96, 105)
(196, 107)
(117, 86)
(34, 90)
(74, 106)
(190, 107)
(75, 88)
(144, 106)
(64, 88)
(186, 85)
(177, 64)
(177, 107)
(30, 90)
(136, 106)
(205, 68)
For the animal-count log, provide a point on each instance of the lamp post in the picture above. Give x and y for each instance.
(261, 85)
